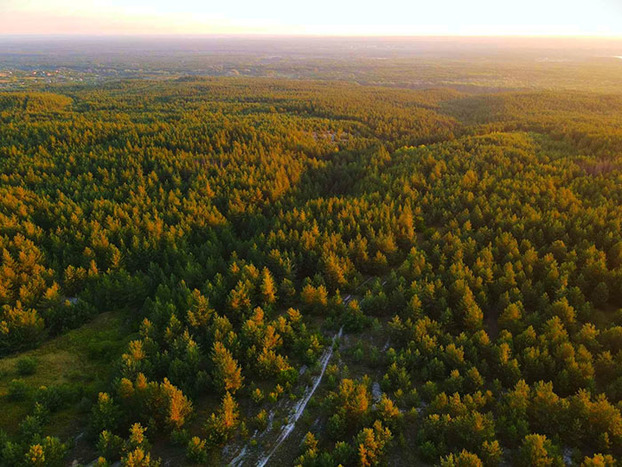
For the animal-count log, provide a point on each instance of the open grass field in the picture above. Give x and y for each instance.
(79, 361)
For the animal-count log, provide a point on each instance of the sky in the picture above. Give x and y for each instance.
(317, 17)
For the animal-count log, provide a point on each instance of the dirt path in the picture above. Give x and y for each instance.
(243, 456)
(300, 406)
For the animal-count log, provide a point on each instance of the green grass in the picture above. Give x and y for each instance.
(82, 357)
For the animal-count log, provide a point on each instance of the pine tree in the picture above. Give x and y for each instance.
(227, 374)
(268, 287)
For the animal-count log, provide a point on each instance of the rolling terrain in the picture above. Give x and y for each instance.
(260, 270)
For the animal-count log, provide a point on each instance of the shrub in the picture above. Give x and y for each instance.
(55, 397)
(197, 450)
(102, 350)
(105, 414)
(18, 390)
(110, 445)
(180, 437)
(26, 366)
(31, 427)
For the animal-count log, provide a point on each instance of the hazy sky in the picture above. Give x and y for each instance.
(316, 17)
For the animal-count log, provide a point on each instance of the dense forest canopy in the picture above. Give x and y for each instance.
(215, 270)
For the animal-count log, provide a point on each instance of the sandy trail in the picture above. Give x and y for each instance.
(300, 406)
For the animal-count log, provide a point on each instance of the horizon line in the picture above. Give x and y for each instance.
(313, 36)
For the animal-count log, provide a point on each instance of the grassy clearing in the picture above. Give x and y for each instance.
(80, 358)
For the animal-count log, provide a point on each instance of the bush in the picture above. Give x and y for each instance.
(180, 437)
(102, 350)
(55, 397)
(105, 414)
(288, 377)
(261, 420)
(343, 453)
(63, 317)
(51, 451)
(110, 445)
(26, 366)
(31, 428)
(18, 390)
(12, 453)
(336, 426)
(197, 450)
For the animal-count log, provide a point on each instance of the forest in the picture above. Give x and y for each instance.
(267, 271)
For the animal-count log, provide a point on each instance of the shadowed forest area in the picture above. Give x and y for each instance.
(180, 253)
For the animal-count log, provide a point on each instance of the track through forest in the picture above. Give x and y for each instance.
(297, 410)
